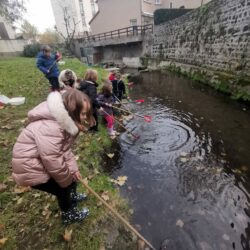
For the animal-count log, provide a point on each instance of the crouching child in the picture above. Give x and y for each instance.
(106, 101)
(42, 155)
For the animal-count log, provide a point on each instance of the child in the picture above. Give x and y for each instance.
(112, 75)
(119, 89)
(42, 156)
(106, 100)
(46, 62)
(68, 79)
(89, 87)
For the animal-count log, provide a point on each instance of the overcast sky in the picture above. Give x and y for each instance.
(39, 13)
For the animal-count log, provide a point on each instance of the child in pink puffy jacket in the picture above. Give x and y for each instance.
(42, 156)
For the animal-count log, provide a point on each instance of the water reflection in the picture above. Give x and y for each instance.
(185, 176)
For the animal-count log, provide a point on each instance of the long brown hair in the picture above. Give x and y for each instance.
(91, 75)
(74, 102)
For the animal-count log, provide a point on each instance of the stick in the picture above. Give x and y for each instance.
(136, 137)
(124, 110)
(121, 103)
(116, 214)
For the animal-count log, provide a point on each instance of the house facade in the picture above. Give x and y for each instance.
(117, 14)
(79, 12)
(9, 45)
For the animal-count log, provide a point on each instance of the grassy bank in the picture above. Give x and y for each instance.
(30, 219)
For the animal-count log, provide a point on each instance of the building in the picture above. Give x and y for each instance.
(9, 44)
(70, 14)
(117, 14)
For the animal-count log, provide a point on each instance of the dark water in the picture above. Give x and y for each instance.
(189, 173)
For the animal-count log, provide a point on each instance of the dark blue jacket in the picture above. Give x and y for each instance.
(44, 63)
(102, 99)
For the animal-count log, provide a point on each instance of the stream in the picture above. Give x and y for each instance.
(189, 172)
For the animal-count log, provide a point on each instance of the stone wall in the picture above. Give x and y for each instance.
(214, 37)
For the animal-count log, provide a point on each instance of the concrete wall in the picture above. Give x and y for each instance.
(188, 4)
(11, 47)
(216, 37)
(115, 14)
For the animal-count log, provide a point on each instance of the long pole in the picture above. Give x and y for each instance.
(124, 110)
(128, 131)
(116, 214)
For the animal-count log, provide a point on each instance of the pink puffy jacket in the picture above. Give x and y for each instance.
(43, 149)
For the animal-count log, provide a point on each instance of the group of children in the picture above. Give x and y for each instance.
(42, 155)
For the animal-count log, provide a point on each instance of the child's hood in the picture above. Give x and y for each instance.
(54, 109)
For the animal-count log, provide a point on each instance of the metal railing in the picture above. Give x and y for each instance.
(124, 32)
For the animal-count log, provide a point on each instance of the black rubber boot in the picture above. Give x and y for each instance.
(73, 215)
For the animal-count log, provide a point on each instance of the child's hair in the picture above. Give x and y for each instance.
(91, 75)
(107, 88)
(46, 48)
(74, 102)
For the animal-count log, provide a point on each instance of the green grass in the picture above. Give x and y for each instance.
(31, 220)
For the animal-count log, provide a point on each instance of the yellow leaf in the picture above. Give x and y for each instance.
(110, 155)
(2, 241)
(68, 235)
(20, 189)
(3, 187)
(121, 180)
(96, 171)
(19, 201)
(105, 196)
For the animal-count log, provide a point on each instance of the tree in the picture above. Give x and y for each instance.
(12, 10)
(50, 37)
(70, 26)
(29, 31)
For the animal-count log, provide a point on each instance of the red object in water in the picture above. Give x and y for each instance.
(147, 118)
(140, 101)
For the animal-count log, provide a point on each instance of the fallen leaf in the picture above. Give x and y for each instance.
(96, 172)
(2, 227)
(20, 189)
(3, 187)
(102, 247)
(226, 237)
(10, 179)
(105, 196)
(99, 138)
(19, 201)
(121, 180)
(110, 155)
(99, 204)
(180, 223)
(77, 157)
(37, 195)
(68, 235)
(3, 241)
(9, 127)
(183, 154)
(183, 159)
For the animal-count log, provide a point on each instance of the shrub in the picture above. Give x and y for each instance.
(31, 50)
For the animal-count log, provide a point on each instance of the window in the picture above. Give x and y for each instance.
(133, 22)
(157, 1)
(93, 7)
(171, 5)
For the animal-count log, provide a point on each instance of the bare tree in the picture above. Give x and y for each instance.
(70, 26)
